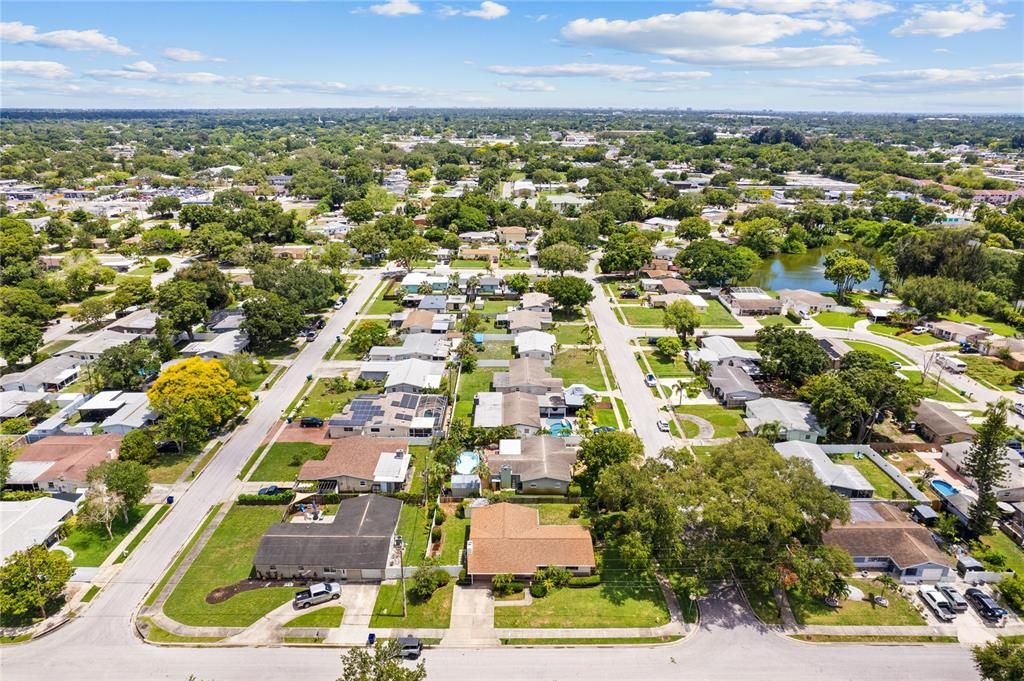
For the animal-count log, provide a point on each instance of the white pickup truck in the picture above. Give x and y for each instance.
(316, 594)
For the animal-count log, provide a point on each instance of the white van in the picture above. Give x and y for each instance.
(952, 364)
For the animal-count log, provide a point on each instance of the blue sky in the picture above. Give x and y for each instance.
(838, 55)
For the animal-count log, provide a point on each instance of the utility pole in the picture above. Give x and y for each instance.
(400, 545)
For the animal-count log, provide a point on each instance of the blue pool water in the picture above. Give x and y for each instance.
(467, 463)
(559, 427)
(944, 488)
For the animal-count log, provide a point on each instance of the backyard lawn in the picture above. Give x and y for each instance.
(471, 383)
(727, 422)
(625, 598)
(227, 559)
(990, 371)
(942, 392)
(885, 487)
(435, 613)
(903, 334)
(883, 352)
(495, 350)
(91, 543)
(557, 514)
(456, 532)
(667, 367)
(836, 320)
(323, 403)
(413, 527)
(328, 617)
(901, 612)
(1004, 545)
(578, 366)
(283, 460)
(997, 326)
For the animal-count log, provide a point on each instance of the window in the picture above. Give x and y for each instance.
(328, 571)
(362, 483)
(533, 484)
(273, 567)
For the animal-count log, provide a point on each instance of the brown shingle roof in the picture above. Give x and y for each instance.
(354, 457)
(894, 535)
(419, 319)
(675, 286)
(509, 538)
(940, 419)
(72, 455)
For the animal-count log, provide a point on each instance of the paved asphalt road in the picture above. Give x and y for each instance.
(730, 646)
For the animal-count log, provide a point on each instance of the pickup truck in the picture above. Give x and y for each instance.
(316, 594)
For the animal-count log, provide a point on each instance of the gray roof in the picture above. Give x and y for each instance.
(541, 456)
(789, 415)
(940, 419)
(359, 537)
(50, 370)
(732, 380)
(830, 473)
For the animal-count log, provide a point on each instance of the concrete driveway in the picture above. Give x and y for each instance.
(472, 618)
(358, 600)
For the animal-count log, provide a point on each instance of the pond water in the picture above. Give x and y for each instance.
(801, 270)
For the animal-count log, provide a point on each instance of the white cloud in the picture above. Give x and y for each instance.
(396, 8)
(537, 17)
(488, 10)
(940, 50)
(619, 72)
(184, 54)
(719, 38)
(969, 17)
(857, 10)
(535, 85)
(47, 70)
(994, 77)
(75, 41)
(144, 70)
(141, 67)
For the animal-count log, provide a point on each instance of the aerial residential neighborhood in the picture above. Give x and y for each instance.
(530, 370)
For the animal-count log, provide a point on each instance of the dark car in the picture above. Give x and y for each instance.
(985, 605)
(311, 422)
(631, 293)
(269, 491)
(166, 447)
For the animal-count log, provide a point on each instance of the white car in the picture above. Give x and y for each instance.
(663, 426)
(937, 603)
(918, 330)
(1019, 408)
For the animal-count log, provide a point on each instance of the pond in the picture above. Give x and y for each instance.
(801, 270)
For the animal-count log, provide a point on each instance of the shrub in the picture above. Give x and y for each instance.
(574, 512)
(161, 265)
(435, 534)
(575, 490)
(19, 425)
(278, 499)
(1012, 589)
(555, 577)
(426, 581)
(584, 582)
(463, 577)
(138, 445)
(460, 510)
(793, 316)
(23, 495)
(538, 590)
(503, 584)
(439, 515)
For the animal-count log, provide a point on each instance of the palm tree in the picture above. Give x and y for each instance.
(483, 471)
(471, 285)
(770, 431)
(887, 583)
(680, 387)
(703, 369)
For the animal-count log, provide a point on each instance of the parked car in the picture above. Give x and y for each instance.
(1019, 408)
(1020, 389)
(896, 365)
(310, 336)
(269, 491)
(650, 380)
(317, 593)
(918, 330)
(937, 603)
(409, 647)
(663, 425)
(311, 422)
(166, 447)
(630, 293)
(966, 349)
(1014, 444)
(604, 429)
(985, 605)
(956, 600)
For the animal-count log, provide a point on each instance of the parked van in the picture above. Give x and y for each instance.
(952, 364)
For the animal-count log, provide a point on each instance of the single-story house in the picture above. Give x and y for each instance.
(795, 420)
(520, 410)
(676, 286)
(804, 302)
(418, 417)
(361, 464)
(1010, 490)
(536, 344)
(418, 321)
(404, 376)
(24, 524)
(722, 350)
(59, 463)
(1009, 350)
(14, 403)
(118, 412)
(91, 347)
(666, 299)
(959, 332)
(489, 254)
(511, 234)
(478, 237)
(749, 300)
(222, 321)
(518, 321)
(356, 547)
(534, 465)
(836, 349)
(433, 303)
(843, 479)
(881, 537)
(939, 424)
(732, 386)
(528, 375)
(219, 346)
(509, 539)
(536, 302)
(414, 346)
(51, 375)
(412, 281)
(139, 323)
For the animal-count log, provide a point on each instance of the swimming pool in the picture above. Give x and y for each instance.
(560, 427)
(944, 488)
(467, 463)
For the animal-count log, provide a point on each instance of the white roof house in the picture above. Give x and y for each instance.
(488, 410)
(392, 467)
(13, 403)
(842, 478)
(413, 375)
(414, 346)
(26, 523)
(51, 374)
(91, 347)
(795, 420)
(534, 341)
(219, 346)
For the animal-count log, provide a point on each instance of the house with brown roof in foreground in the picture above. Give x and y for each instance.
(59, 463)
(360, 464)
(509, 539)
(938, 423)
(881, 537)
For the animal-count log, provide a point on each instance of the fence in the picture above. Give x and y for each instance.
(904, 446)
(903, 481)
(395, 572)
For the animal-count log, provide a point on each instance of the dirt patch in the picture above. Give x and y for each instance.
(223, 593)
(293, 432)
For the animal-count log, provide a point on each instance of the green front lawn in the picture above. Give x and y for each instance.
(462, 264)
(625, 598)
(836, 320)
(717, 317)
(227, 559)
(942, 392)
(414, 528)
(727, 422)
(1004, 545)
(514, 264)
(91, 543)
(456, 532)
(885, 487)
(605, 416)
(643, 316)
(471, 383)
(990, 371)
(435, 613)
(571, 334)
(882, 351)
(578, 366)
(663, 366)
(903, 334)
(777, 320)
(168, 467)
(810, 610)
(283, 460)
(328, 617)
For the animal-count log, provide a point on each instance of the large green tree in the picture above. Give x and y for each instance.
(986, 464)
(270, 319)
(682, 317)
(183, 304)
(32, 579)
(718, 263)
(845, 270)
(1000, 660)
(791, 355)
(561, 257)
(381, 663)
(125, 367)
(570, 292)
(603, 450)
(19, 338)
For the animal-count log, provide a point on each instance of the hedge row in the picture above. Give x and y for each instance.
(582, 582)
(266, 499)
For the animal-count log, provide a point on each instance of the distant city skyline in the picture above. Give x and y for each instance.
(783, 55)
